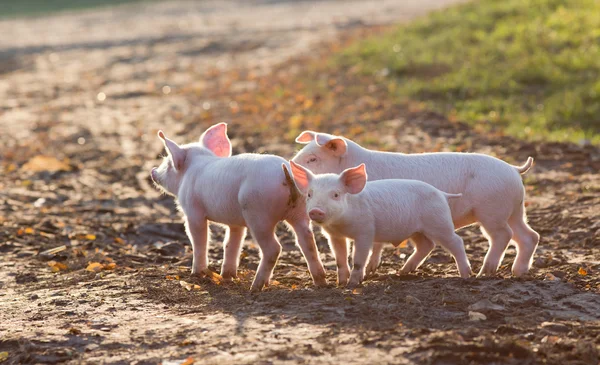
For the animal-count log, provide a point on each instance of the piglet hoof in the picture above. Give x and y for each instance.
(487, 270)
(256, 288)
(371, 268)
(320, 281)
(228, 275)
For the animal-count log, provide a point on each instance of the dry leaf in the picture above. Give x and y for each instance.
(90, 237)
(216, 278)
(3, 356)
(45, 163)
(29, 230)
(189, 286)
(582, 271)
(94, 267)
(74, 331)
(110, 266)
(119, 240)
(172, 277)
(357, 291)
(188, 361)
(57, 266)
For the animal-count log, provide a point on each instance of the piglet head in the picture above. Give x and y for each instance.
(323, 152)
(213, 143)
(167, 176)
(326, 194)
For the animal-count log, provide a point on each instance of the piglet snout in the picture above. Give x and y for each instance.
(317, 215)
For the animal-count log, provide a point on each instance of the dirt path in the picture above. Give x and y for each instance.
(91, 94)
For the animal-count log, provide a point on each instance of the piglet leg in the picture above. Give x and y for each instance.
(197, 231)
(306, 240)
(362, 248)
(232, 249)
(339, 247)
(263, 231)
(375, 259)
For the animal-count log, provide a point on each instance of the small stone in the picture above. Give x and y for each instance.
(476, 316)
(555, 327)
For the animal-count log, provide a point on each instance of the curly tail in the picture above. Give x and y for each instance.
(523, 169)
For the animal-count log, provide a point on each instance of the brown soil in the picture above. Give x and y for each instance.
(93, 197)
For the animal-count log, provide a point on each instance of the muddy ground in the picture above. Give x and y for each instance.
(95, 262)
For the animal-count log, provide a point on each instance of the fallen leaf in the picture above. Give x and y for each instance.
(357, 291)
(3, 356)
(110, 266)
(29, 230)
(216, 278)
(57, 266)
(172, 277)
(94, 267)
(45, 163)
(74, 331)
(119, 240)
(582, 271)
(188, 361)
(189, 286)
(90, 237)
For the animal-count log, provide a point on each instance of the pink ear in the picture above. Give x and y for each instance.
(177, 154)
(215, 139)
(354, 179)
(335, 145)
(302, 177)
(305, 137)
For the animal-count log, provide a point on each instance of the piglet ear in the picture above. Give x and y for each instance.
(215, 139)
(354, 179)
(177, 154)
(335, 145)
(306, 137)
(302, 177)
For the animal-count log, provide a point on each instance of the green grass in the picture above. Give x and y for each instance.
(20, 8)
(531, 67)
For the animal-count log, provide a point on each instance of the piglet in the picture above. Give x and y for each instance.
(349, 207)
(493, 193)
(243, 191)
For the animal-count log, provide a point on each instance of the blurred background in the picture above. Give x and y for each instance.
(95, 262)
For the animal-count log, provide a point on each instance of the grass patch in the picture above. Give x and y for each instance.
(13, 8)
(531, 67)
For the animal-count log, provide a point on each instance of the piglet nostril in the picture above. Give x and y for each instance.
(316, 214)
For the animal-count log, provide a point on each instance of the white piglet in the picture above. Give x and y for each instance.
(349, 207)
(493, 192)
(243, 191)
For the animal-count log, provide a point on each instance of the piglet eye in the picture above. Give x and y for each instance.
(336, 195)
(312, 159)
(309, 194)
